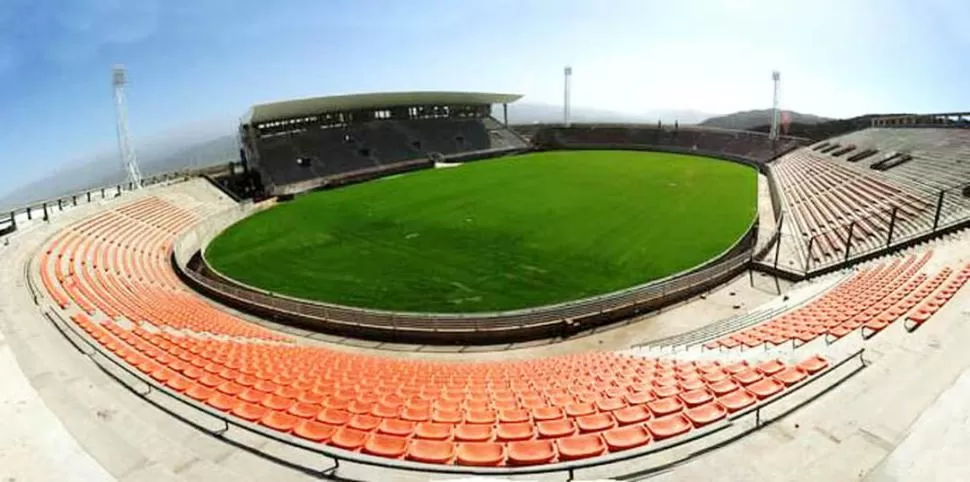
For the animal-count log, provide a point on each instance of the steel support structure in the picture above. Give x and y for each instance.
(119, 79)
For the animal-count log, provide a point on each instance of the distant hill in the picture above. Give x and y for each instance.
(537, 113)
(106, 169)
(750, 119)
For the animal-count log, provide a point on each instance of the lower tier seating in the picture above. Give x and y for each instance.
(110, 274)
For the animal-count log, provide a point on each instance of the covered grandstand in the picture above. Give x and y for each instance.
(299, 145)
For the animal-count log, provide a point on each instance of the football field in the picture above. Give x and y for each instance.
(496, 235)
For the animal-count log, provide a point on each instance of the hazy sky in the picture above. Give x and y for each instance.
(196, 65)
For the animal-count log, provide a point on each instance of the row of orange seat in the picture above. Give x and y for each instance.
(870, 299)
(606, 403)
(536, 411)
(98, 263)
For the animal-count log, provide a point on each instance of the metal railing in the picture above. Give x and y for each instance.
(46, 209)
(881, 231)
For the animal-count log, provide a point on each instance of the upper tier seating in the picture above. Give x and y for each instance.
(824, 197)
(111, 274)
(753, 146)
(335, 152)
(941, 156)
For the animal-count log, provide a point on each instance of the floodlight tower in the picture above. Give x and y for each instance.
(118, 79)
(775, 112)
(567, 75)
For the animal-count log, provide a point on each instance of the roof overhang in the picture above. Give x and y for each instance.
(341, 103)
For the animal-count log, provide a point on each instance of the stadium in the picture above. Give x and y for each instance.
(404, 285)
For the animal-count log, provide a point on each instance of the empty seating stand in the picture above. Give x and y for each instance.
(869, 301)
(111, 276)
(827, 198)
(337, 152)
(751, 146)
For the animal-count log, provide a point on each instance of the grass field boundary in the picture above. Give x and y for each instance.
(558, 320)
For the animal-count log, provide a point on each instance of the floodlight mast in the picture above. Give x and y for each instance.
(119, 79)
(567, 75)
(775, 112)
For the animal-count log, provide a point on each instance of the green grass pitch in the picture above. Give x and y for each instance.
(502, 234)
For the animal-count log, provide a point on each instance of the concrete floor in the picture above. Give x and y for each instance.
(902, 418)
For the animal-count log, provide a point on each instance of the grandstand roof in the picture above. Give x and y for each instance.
(316, 105)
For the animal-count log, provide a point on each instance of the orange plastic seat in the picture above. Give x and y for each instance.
(531, 452)
(624, 438)
(546, 413)
(396, 427)
(467, 432)
(707, 413)
(666, 391)
(694, 398)
(723, 387)
(249, 411)
(513, 415)
(221, 401)
(579, 409)
(747, 376)
(386, 446)
(348, 438)
(434, 430)
(737, 400)
(665, 406)
(276, 402)
(199, 392)
(431, 451)
(555, 428)
(814, 364)
(515, 431)
(610, 404)
(359, 407)
(211, 380)
(333, 417)
(179, 383)
(314, 431)
(770, 367)
(416, 414)
(304, 410)
(766, 388)
(230, 388)
(669, 426)
(640, 398)
(281, 421)
(484, 454)
(364, 423)
(384, 410)
(791, 376)
(251, 395)
(447, 416)
(631, 415)
(596, 422)
(580, 447)
(480, 416)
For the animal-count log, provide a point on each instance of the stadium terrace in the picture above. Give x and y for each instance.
(402, 286)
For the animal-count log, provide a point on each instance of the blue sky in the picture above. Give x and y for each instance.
(196, 65)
